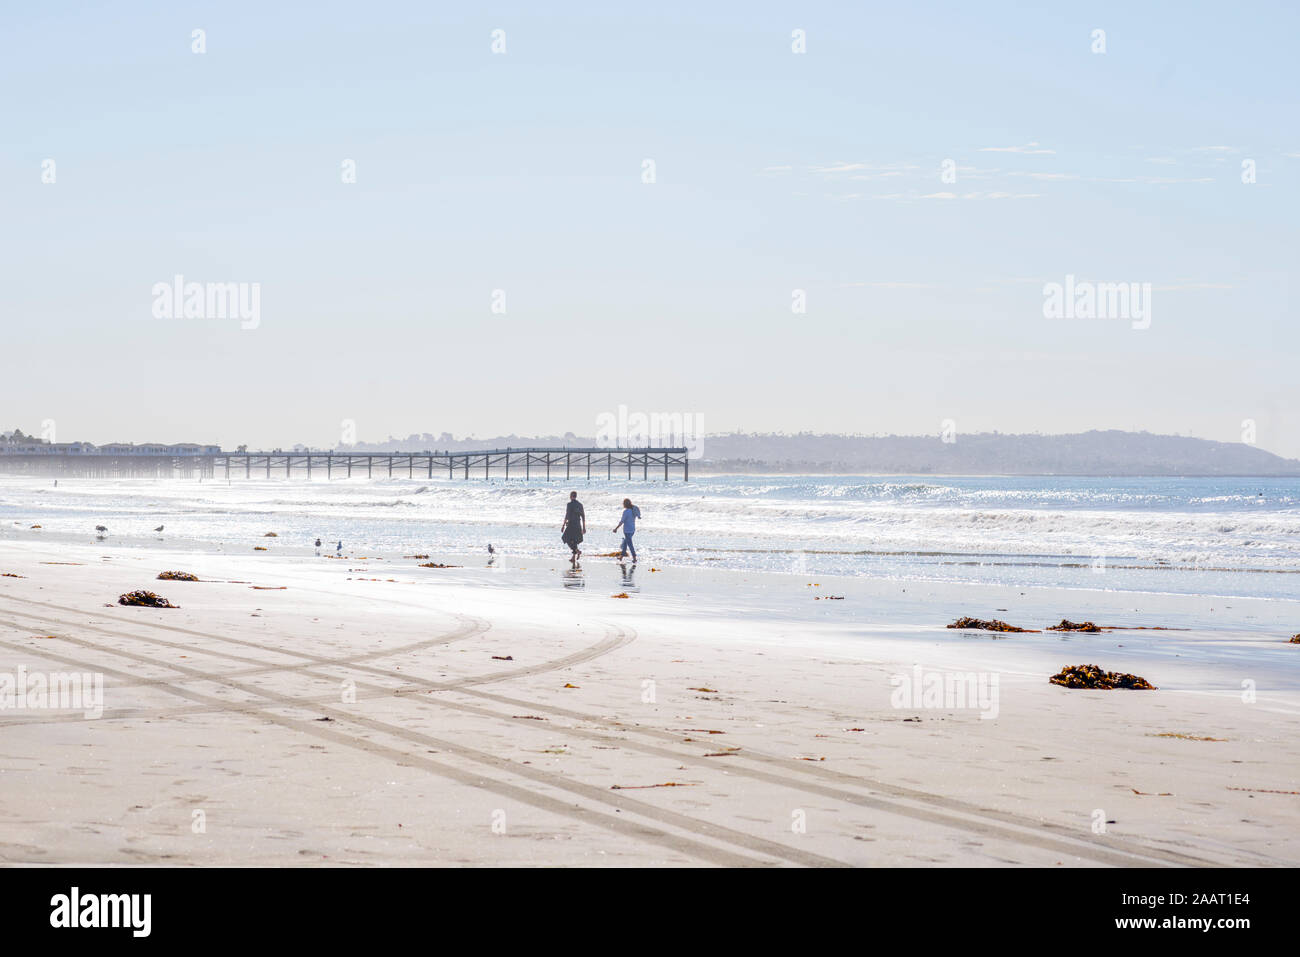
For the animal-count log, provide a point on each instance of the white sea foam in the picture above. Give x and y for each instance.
(964, 528)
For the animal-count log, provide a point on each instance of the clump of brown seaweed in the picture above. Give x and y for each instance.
(1091, 676)
(436, 565)
(1295, 640)
(993, 625)
(1067, 625)
(145, 599)
(177, 577)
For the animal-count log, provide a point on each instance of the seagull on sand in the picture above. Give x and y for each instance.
(159, 528)
(101, 529)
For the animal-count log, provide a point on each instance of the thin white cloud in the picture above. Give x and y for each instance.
(917, 195)
(1001, 195)
(1178, 285)
(949, 195)
(864, 168)
(839, 168)
(1215, 149)
(1149, 180)
(1027, 148)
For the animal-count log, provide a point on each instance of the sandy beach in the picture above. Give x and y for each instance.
(304, 710)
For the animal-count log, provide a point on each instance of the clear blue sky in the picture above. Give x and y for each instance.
(523, 172)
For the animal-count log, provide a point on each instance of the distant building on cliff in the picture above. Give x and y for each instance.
(17, 443)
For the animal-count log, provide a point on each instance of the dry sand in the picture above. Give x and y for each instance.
(344, 720)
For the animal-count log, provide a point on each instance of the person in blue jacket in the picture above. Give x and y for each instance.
(628, 523)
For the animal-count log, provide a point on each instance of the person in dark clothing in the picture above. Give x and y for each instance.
(574, 526)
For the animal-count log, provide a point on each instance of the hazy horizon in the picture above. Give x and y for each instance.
(1093, 452)
(849, 222)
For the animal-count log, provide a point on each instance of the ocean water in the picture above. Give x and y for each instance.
(1213, 536)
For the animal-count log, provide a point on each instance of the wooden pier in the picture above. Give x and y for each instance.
(552, 464)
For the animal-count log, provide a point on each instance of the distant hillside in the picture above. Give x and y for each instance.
(1089, 453)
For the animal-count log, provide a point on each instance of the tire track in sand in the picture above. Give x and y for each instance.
(614, 800)
(992, 825)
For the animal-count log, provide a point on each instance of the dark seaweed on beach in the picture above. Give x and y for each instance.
(146, 599)
(1067, 625)
(993, 625)
(636, 787)
(437, 565)
(1295, 640)
(1091, 676)
(177, 577)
